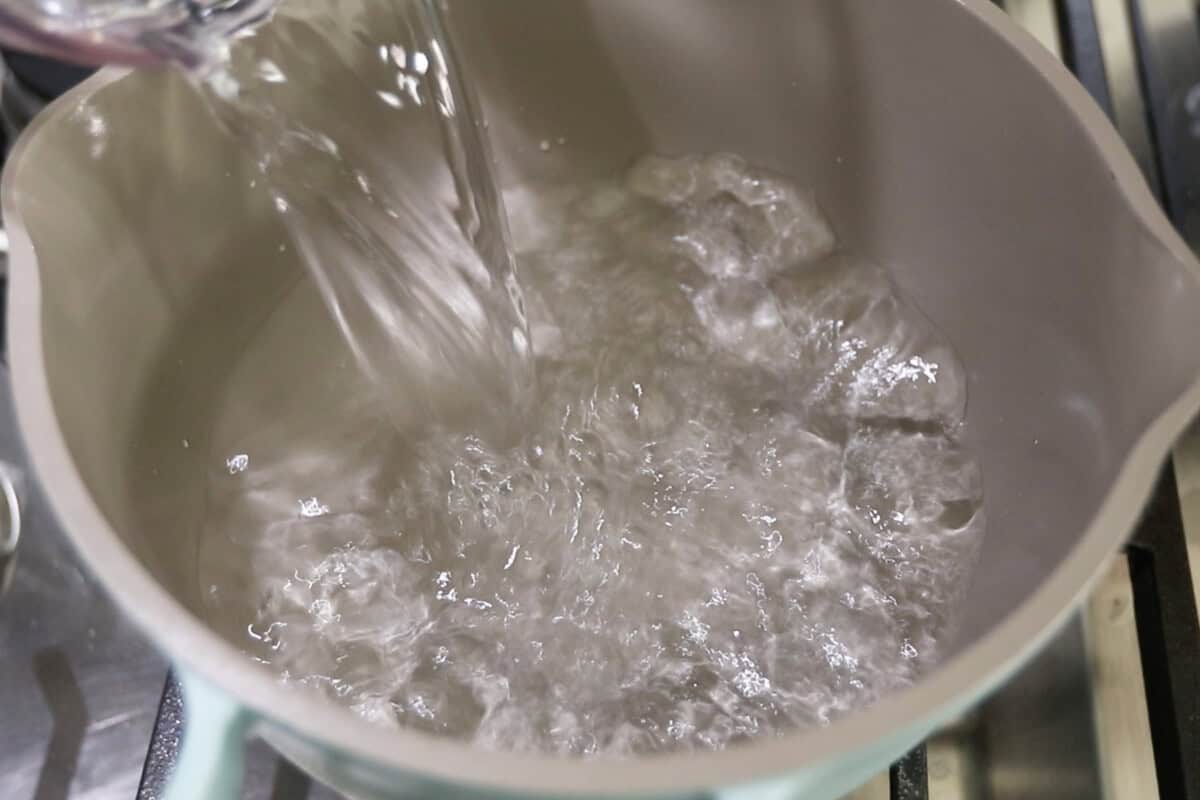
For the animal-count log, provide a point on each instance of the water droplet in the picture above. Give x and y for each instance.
(391, 98)
(270, 72)
(520, 342)
(311, 507)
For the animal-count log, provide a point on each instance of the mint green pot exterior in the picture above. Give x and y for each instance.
(212, 760)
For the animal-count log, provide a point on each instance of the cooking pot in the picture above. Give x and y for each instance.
(944, 144)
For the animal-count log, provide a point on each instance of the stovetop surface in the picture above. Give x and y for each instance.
(80, 689)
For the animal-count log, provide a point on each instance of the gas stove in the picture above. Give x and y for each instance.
(1110, 709)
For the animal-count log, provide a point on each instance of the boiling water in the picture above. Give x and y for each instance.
(738, 502)
(698, 478)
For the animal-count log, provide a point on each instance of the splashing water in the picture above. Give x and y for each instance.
(407, 240)
(188, 33)
(739, 503)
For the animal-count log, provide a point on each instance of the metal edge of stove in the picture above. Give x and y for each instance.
(1163, 559)
(1165, 33)
(1111, 58)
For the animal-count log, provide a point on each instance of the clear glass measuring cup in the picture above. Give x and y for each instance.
(129, 32)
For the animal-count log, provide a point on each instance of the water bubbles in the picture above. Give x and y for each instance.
(268, 634)
(311, 507)
(679, 729)
(735, 220)
(697, 631)
(751, 683)
(739, 503)
(237, 464)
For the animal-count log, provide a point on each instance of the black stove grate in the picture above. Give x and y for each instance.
(1169, 638)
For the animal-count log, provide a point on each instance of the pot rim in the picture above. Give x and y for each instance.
(976, 670)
